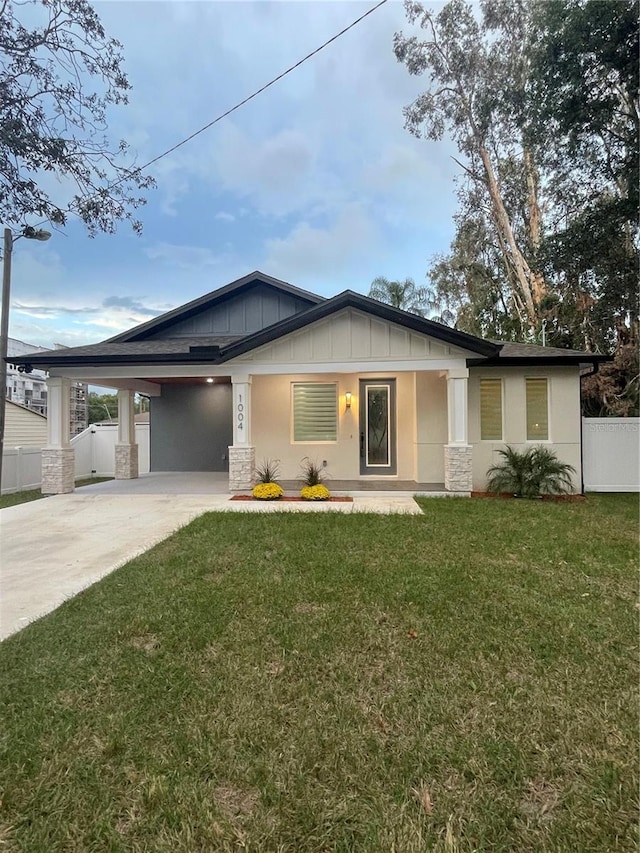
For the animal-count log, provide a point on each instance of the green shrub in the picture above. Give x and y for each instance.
(531, 473)
(311, 473)
(267, 472)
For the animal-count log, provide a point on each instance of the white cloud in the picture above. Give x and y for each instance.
(277, 173)
(309, 250)
(184, 257)
(224, 216)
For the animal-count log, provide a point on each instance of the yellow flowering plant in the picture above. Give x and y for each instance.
(315, 493)
(267, 491)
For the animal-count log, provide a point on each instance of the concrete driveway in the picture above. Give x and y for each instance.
(53, 548)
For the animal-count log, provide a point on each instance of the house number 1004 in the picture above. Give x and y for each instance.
(239, 412)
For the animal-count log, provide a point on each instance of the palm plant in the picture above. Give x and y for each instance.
(531, 473)
(407, 296)
(311, 473)
(267, 472)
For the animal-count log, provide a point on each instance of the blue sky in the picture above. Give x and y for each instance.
(316, 181)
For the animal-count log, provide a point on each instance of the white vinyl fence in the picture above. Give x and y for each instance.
(94, 457)
(611, 454)
(21, 469)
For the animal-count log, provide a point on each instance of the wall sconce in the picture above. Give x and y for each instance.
(347, 400)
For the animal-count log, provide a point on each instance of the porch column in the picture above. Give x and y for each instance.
(242, 454)
(458, 451)
(126, 447)
(58, 462)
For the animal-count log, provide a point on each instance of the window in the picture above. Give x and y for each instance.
(491, 409)
(315, 411)
(537, 410)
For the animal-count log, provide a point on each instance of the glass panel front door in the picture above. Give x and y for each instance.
(377, 427)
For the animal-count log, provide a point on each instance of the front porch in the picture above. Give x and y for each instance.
(217, 483)
(249, 417)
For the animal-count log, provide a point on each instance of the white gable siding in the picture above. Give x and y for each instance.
(24, 428)
(351, 336)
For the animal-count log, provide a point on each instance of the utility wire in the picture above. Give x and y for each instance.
(250, 97)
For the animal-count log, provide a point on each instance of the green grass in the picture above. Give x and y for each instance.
(461, 681)
(16, 498)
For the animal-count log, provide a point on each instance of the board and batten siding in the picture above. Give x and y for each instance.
(23, 427)
(241, 314)
(351, 336)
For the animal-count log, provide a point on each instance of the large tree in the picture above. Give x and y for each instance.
(583, 102)
(60, 73)
(467, 62)
(541, 100)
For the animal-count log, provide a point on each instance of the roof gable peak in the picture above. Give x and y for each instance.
(210, 300)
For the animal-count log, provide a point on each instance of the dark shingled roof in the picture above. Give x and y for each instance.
(132, 348)
(173, 350)
(157, 346)
(514, 354)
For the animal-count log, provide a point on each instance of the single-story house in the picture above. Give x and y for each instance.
(262, 369)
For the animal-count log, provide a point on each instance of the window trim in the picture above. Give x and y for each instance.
(499, 379)
(546, 440)
(292, 415)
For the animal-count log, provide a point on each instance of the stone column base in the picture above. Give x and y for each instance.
(242, 461)
(126, 461)
(58, 471)
(458, 475)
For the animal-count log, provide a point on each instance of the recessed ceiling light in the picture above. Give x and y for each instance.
(209, 379)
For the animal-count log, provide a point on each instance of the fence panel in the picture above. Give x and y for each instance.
(10, 477)
(94, 451)
(21, 469)
(611, 454)
(83, 451)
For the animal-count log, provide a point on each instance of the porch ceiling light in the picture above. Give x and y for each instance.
(347, 400)
(209, 380)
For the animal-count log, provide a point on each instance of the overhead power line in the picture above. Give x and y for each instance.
(252, 96)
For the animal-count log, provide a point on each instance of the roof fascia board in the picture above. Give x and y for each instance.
(538, 361)
(150, 358)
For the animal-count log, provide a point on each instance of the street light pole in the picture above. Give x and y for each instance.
(8, 241)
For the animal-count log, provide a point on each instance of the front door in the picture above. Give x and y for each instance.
(378, 426)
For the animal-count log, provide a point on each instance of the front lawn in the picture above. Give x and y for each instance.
(462, 681)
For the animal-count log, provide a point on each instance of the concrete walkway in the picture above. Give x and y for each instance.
(55, 547)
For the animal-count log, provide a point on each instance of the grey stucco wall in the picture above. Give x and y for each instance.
(190, 428)
(239, 315)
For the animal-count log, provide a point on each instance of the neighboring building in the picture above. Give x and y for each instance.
(78, 416)
(382, 398)
(23, 427)
(30, 389)
(26, 389)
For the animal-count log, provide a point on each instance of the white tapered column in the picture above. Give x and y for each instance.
(242, 454)
(458, 453)
(58, 458)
